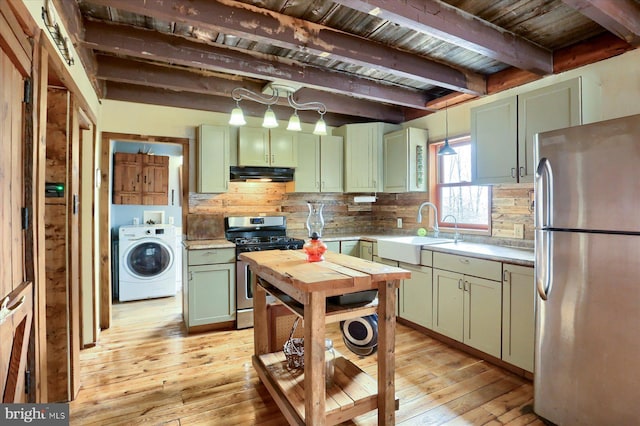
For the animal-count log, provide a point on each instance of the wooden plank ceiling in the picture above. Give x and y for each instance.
(367, 60)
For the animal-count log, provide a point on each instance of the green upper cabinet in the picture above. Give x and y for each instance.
(262, 147)
(405, 160)
(550, 108)
(363, 166)
(213, 159)
(503, 132)
(319, 163)
(494, 131)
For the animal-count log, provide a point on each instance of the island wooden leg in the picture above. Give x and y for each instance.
(260, 323)
(386, 352)
(314, 366)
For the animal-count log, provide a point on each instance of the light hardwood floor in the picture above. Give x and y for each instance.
(146, 370)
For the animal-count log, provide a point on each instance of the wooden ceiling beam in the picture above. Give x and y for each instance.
(458, 27)
(122, 70)
(620, 17)
(595, 49)
(157, 96)
(262, 25)
(152, 45)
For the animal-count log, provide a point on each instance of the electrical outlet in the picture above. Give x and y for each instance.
(518, 230)
(399, 222)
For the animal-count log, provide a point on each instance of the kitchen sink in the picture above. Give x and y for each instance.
(406, 249)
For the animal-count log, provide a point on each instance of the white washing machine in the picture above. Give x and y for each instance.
(147, 261)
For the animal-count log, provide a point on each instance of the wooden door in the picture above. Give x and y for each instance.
(16, 300)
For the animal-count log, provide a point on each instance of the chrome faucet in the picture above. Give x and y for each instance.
(436, 230)
(456, 235)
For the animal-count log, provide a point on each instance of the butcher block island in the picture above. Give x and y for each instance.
(304, 287)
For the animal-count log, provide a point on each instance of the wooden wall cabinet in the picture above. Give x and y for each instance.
(213, 154)
(320, 163)
(262, 147)
(140, 179)
(405, 160)
(363, 165)
(518, 316)
(503, 131)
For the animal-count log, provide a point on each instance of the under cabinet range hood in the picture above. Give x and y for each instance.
(264, 174)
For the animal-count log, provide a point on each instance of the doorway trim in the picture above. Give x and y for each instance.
(105, 210)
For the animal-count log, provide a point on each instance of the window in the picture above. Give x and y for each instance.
(455, 195)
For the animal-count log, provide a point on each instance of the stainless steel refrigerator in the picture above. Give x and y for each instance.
(587, 352)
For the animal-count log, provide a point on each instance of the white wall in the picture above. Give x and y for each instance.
(611, 89)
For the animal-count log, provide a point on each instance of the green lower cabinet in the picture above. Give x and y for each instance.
(448, 303)
(350, 247)
(211, 293)
(468, 309)
(483, 315)
(366, 250)
(416, 296)
(518, 316)
(333, 246)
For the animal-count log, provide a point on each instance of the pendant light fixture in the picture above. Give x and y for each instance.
(446, 148)
(294, 122)
(270, 119)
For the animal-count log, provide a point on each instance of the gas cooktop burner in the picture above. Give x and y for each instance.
(265, 240)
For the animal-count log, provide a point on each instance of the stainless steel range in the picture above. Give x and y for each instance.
(254, 234)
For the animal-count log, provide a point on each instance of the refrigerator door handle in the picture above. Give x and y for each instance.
(544, 219)
(544, 193)
(544, 262)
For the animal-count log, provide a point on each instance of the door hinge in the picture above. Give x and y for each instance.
(27, 91)
(25, 218)
(27, 381)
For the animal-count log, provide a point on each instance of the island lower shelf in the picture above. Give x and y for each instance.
(353, 392)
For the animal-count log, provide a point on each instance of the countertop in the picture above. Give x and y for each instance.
(207, 244)
(517, 256)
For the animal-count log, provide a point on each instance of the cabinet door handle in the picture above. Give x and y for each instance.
(460, 284)
(513, 172)
(506, 276)
(273, 158)
(266, 158)
(190, 276)
(464, 260)
(467, 286)
(521, 171)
